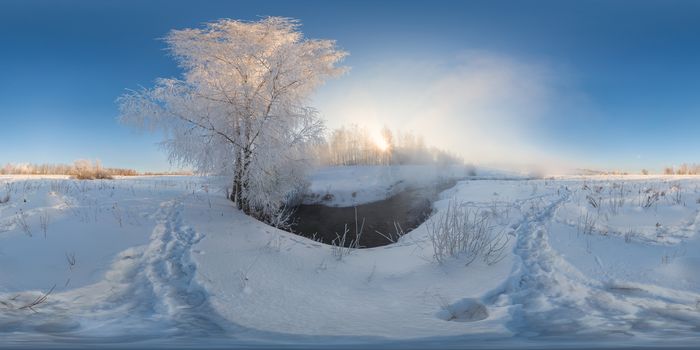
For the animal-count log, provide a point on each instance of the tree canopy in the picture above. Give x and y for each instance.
(241, 108)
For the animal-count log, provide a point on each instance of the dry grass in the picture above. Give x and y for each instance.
(343, 244)
(462, 232)
(92, 175)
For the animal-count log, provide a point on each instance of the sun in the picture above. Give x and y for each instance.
(380, 142)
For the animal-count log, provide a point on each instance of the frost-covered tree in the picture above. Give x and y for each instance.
(241, 108)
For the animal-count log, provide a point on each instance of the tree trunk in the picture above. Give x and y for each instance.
(237, 195)
(245, 161)
(244, 177)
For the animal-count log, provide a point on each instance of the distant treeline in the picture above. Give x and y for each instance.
(355, 145)
(683, 169)
(81, 169)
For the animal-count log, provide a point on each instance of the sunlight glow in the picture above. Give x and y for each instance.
(379, 141)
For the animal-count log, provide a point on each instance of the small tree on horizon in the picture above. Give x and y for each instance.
(241, 108)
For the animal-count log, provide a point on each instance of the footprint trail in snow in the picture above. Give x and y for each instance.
(549, 298)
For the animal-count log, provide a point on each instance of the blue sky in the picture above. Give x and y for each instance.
(607, 84)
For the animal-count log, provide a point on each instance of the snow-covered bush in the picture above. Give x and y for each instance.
(240, 109)
(87, 170)
(462, 232)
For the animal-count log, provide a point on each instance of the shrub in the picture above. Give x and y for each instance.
(462, 232)
(86, 170)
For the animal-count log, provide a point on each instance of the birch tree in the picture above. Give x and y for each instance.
(241, 108)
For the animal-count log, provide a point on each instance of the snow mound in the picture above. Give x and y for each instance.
(465, 310)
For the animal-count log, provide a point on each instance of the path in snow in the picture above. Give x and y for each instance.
(549, 298)
(171, 273)
(149, 293)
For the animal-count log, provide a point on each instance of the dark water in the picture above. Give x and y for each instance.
(400, 213)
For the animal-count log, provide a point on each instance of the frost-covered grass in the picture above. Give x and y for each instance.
(644, 229)
(461, 232)
(45, 219)
(657, 211)
(162, 260)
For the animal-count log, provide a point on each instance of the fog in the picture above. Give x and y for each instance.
(488, 108)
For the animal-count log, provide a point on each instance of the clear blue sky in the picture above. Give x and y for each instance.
(620, 80)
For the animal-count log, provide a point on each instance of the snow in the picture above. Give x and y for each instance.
(346, 186)
(92, 220)
(185, 267)
(289, 284)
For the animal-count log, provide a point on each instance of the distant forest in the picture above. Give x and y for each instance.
(356, 145)
(81, 169)
(351, 145)
(683, 169)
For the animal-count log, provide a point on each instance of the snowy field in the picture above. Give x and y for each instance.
(590, 261)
